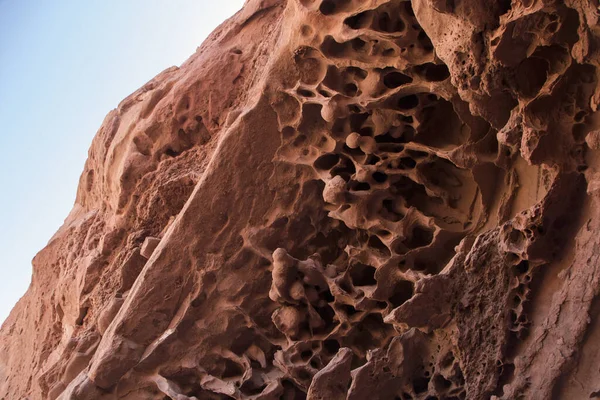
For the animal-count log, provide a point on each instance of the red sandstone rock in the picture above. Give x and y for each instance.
(336, 199)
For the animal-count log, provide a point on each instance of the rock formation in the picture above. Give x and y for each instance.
(336, 199)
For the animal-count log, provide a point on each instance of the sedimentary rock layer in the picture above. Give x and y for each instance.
(336, 199)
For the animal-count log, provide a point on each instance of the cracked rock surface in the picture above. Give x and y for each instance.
(336, 199)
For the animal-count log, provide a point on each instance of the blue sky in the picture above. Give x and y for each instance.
(63, 65)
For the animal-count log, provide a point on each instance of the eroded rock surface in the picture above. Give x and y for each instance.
(336, 199)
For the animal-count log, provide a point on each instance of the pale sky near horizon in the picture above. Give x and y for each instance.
(64, 64)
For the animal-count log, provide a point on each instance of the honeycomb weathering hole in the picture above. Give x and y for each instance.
(359, 21)
(403, 291)
(419, 237)
(408, 102)
(396, 79)
(327, 7)
(434, 72)
(327, 161)
(362, 275)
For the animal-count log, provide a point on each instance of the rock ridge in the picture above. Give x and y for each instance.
(336, 199)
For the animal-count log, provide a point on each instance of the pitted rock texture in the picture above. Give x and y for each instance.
(336, 199)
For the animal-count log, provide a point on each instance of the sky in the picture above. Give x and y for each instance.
(64, 64)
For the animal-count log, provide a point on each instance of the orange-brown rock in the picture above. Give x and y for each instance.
(336, 199)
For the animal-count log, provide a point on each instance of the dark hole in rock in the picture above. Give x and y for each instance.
(305, 93)
(400, 25)
(420, 385)
(522, 319)
(580, 116)
(327, 7)
(199, 300)
(406, 163)
(408, 133)
(358, 43)
(242, 341)
(82, 314)
(390, 148)
(328, 296)
(359, 186)
(331, 48)
(504, 6)
(377, 244)
(349, 310)
(232, 370)
(331, 346)
(327, 314)
(353, 108)
(522, 267)
(379, 177)
(306, 355)
(362, 275)
(420, 237)
(358, 120)
(247, 388)
(417, 154)
(366, 131)
(408, 102)
(523, 333)
(396, 79)
(389, 211)
(531, 75)
(326, 161)
(381, 305)
(435, 72)
(172, 153)
(552, 27)
(383, 232)
(389, 52)
(506, 376)
(353, 152)
(372, 160)
(403, 291)
(440, 383)
(516, 301)
(384, 22)
(345, 169)
(389, 137)
(350, 90)
(358, 21)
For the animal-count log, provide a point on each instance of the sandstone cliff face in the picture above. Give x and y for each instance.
(336, 199)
